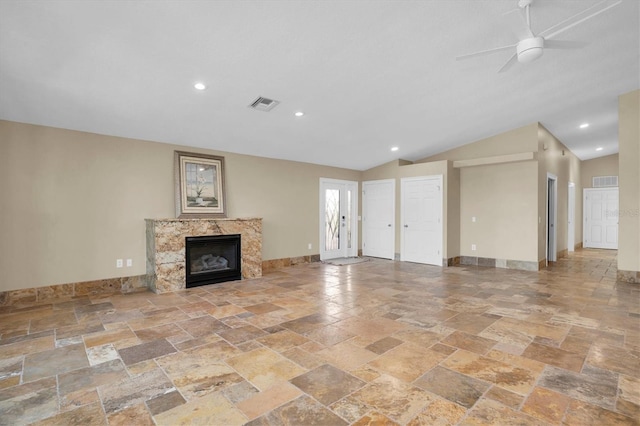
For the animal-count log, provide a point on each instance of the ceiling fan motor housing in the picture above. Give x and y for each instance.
(530, 49)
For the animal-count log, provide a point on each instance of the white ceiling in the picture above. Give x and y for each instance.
(368, 74)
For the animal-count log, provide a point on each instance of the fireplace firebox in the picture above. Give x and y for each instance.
(212, 259)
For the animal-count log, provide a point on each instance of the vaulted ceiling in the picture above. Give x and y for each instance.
(368, 75)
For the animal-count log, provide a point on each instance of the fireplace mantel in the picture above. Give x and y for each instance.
(166, 247)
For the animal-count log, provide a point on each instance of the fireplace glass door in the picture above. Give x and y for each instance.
(212, 259)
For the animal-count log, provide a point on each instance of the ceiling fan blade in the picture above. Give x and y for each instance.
(519, 24)
(550, 33)
(564, 44)
(484, 52)
(512, 60)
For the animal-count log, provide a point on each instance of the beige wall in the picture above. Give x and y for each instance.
(629, 182)
(521, 200)
(602, 166)
(513, 141)
(502, 198)
(74, 202)
(384, 171)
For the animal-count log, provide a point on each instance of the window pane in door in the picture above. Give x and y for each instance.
(348, 219)
(332, 219)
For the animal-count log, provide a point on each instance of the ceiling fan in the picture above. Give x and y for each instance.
(531, 46)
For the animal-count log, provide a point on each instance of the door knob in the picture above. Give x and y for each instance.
(406, 226)
(389, 225)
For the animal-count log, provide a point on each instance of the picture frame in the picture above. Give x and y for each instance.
(199, 185)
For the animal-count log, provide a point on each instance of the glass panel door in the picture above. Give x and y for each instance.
(338, 205)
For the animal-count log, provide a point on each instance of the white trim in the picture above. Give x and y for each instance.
(498, 159)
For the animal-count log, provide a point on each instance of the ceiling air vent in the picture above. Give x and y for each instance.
(264, 104)
(605, 181)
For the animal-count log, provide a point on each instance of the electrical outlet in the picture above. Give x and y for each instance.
(309, 246)
(473, 247)
(129, 263)
(118, 263)
(473, 219)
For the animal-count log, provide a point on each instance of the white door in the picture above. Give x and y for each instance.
(421, 232)
(338, 218)
(571, 212)
(552, 216)
(600, 218)
(378, 218)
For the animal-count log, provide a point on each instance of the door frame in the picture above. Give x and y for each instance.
(392, 249)
(440, 179)
(552, 213)
(353, 186)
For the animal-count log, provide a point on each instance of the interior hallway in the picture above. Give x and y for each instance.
(380, 341)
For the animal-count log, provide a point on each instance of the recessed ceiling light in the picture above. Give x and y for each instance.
(584, 125)
(299, 114)
(199, 86)
(599, 148)
(394, 148)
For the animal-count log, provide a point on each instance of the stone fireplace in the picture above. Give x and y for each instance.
(166, 248)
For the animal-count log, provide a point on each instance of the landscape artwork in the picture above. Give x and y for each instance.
(199, 185)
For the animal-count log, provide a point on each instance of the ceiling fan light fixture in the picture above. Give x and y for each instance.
(524, 3)
(530, 49)
(531, 45)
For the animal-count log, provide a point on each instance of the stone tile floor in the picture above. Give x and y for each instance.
(379, 342)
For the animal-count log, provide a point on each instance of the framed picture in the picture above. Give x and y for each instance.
(199, 181)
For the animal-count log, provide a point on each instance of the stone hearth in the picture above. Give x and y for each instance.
(166, 247)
